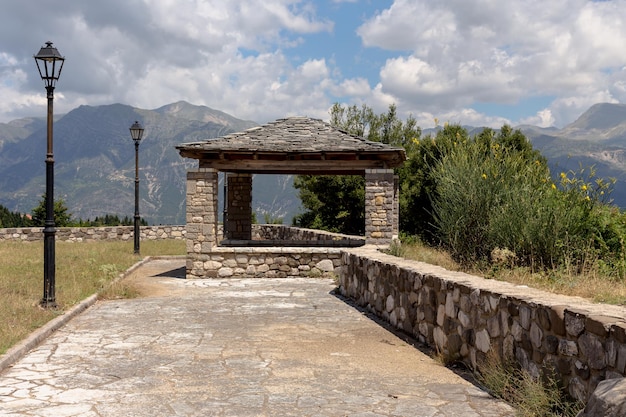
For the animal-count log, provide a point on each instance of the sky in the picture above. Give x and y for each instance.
(473, 62)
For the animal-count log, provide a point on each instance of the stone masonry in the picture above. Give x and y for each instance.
(238, 224)
(87, 234)
(467, 318)
(201, 210)
(265, 262)
(381, 211)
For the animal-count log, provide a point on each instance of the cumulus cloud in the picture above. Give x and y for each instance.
(261, 60)
(460, 52)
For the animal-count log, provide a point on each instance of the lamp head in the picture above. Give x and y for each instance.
(49, 64)
(136, 131)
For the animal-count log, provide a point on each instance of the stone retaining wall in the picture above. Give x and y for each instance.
(266, 262)
(273, 252)
(84, 234)
(278, 234)
(466, 317)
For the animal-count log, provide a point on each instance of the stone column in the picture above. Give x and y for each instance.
(396, 208)
(201, 218)
(239, 207)
(380, 206)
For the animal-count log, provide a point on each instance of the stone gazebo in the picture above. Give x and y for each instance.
(294, 145)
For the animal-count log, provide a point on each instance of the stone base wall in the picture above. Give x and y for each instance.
(276, 233)
(85, 234)
(467, 318)
(264, 262)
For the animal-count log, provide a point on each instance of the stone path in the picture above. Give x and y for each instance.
(251, 347)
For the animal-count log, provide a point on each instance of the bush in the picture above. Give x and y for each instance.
(496, 193)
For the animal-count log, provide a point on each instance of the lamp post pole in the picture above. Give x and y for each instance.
(136, 132)
(49, 64)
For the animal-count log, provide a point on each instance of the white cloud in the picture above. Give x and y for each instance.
(460, 52)
(543, 118)
(261, 59)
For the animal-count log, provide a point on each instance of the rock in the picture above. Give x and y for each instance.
(608, 400)
(390, 304)
(592, 348)
(225, 272)
(483, 342)
(326, 265)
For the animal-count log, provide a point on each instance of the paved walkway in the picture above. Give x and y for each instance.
(253, 347)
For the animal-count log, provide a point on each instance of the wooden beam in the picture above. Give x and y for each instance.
(294, 167)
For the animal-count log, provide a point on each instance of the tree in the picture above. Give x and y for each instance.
(337, 203)
(334, 202)
(62, 218)
(13, 219)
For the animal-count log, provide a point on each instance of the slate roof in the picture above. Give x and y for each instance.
(314, 142)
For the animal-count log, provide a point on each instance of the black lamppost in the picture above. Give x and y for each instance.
(49, 64)
(136, 132)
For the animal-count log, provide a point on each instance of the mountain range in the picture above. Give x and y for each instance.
(95, 167)
(596, 139)
(95, 162)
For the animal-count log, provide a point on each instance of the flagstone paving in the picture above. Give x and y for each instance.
(233, 347)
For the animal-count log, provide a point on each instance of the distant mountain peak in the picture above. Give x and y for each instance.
(600, 116)
(185, 110)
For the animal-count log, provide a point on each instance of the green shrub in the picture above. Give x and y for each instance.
(495, 192)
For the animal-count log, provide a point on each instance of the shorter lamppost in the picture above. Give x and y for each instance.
(136, 132)
(49, 64)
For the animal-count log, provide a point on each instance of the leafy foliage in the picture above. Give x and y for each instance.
(13, 219)
(337, 203)
(109, 220)
(62, 218)
(490, 195)
(494, 192)
(334, 202)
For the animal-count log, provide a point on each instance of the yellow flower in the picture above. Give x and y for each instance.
(587, 198)
(484, 176)
(584, 187)
(563, 175)
(416, 141)
(553, 187)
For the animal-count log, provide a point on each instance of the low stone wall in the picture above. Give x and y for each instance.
(275, 251)
(280, 235)
(85, 234)
(266, 262)
(271, 233)
(467, 317)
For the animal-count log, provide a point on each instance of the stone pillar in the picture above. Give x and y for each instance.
(201, 218)
(380, 206)
(238, 226)
(396, 208)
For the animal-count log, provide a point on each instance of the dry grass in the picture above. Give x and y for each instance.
(430, 255)
(591, 284)
(82, 269)
(530, 396)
